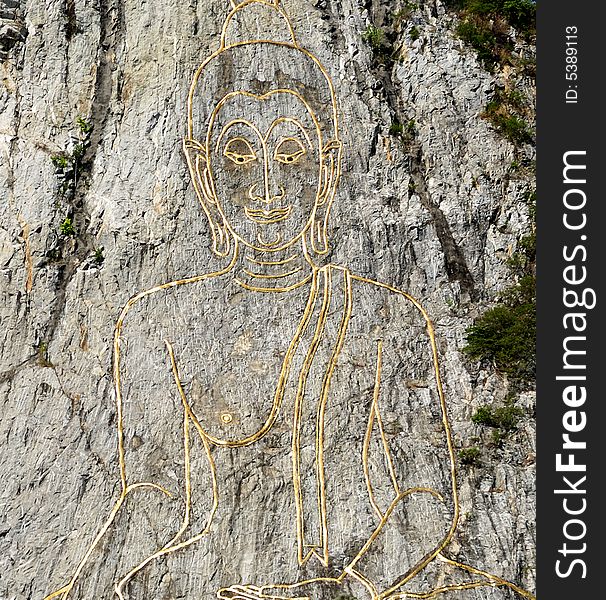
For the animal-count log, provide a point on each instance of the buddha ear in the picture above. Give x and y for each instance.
(197, 161)
(330, 169)
(331, 164)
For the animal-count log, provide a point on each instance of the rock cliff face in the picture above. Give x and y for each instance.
(99, 205)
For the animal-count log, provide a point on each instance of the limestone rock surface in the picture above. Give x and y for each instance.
(93, 113)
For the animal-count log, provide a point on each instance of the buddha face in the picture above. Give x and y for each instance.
(264, 167)
(264, 157)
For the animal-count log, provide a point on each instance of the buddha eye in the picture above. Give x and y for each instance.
(289, 151)
(239, 151)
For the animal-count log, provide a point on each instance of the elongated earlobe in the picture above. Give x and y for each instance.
(197, 161)
(329, 177)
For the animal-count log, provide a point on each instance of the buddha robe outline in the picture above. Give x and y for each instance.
(285, 422)
(330, 412)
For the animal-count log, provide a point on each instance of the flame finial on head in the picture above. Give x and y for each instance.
(257, 20)
(238, 3)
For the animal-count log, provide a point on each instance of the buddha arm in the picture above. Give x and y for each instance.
(417, 452)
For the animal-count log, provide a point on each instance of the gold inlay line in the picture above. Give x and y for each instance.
(272, 276)
(271, 263)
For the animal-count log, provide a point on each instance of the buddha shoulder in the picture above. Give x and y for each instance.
(172, 309)
(380, 309)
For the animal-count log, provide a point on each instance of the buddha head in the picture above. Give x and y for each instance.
(263, 144)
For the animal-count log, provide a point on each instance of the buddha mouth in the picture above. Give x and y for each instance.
(266, 217)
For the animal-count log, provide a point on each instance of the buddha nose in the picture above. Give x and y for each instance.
(266, 192)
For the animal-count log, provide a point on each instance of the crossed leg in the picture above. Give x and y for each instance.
(176, 541)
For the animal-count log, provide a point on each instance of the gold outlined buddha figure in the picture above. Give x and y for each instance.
(283, 430)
